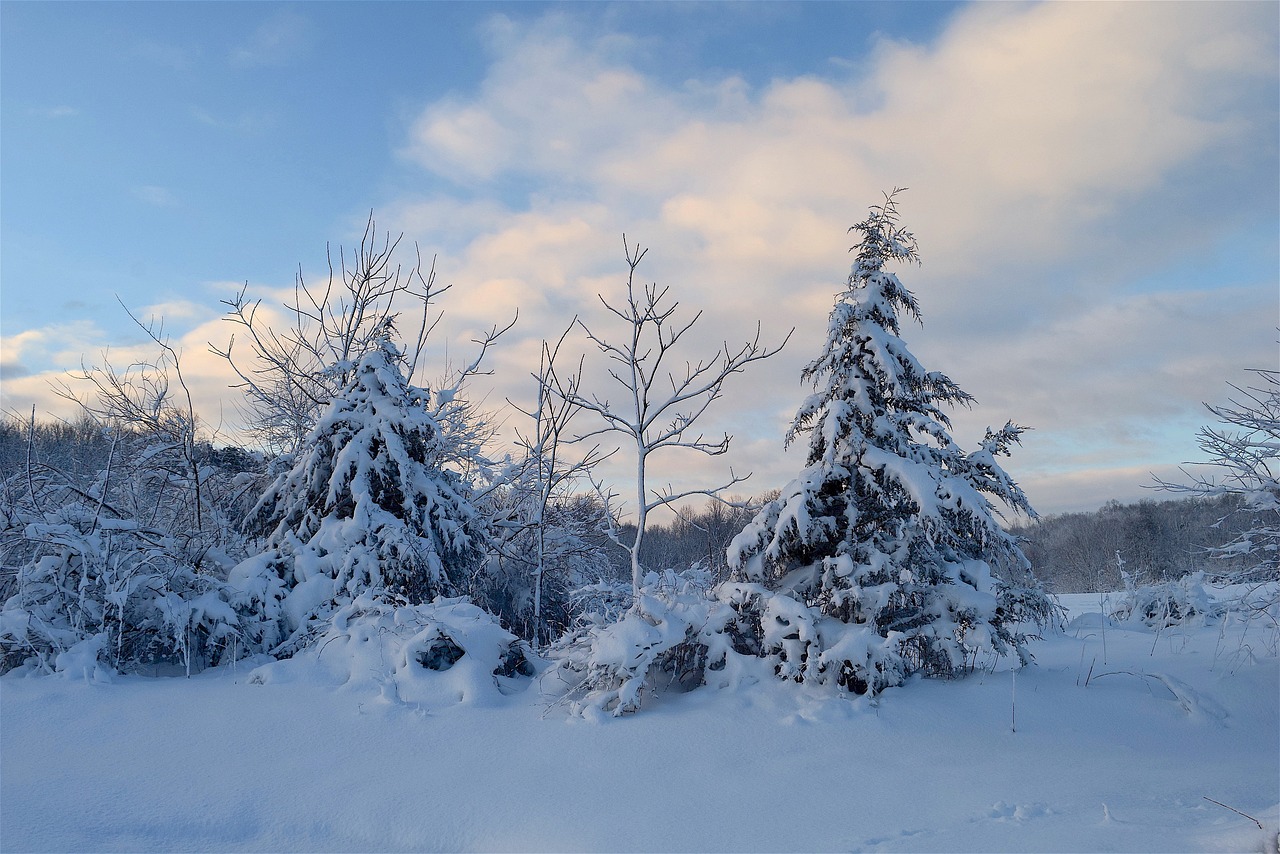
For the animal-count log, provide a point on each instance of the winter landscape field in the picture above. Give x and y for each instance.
(378, 634)
(361, 490)
(303, 762)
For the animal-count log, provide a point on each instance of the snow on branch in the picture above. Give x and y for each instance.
(1246, 453)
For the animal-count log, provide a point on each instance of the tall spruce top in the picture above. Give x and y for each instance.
(870, 388)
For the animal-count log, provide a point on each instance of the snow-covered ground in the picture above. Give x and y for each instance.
(293, 762)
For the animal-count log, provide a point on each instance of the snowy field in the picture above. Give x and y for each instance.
(289, 761)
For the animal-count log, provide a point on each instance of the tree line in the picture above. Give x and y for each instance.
(1160, 539)
(376, 499)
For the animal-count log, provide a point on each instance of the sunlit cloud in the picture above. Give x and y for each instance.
(1061, 160)
(1033, 138)
(57, 355)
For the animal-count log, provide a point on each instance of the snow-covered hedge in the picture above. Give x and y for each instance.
(100, 595)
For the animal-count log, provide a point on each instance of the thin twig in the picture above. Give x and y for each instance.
(1236, 811)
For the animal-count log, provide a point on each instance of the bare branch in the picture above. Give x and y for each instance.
(663, 405)
(291, 374)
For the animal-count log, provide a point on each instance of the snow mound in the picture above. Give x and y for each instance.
(1196, 704)
(444, 653)
(667, 631)
(1168, 603)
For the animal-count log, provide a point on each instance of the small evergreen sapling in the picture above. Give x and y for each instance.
(888, 535)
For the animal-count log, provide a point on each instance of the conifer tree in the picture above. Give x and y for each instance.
(888, 536)
(366, 506)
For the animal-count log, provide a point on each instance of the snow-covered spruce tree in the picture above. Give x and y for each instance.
(365, 507)
(887, 538)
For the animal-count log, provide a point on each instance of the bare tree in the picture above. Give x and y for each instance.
(660, 405)
(1246, 452)
(545, 474)
(292, 373)
(142, 398)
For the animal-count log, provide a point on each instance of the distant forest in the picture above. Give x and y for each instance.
(1071, 552)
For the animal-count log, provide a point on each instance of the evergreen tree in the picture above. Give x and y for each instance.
(888, 536)
(365, 506)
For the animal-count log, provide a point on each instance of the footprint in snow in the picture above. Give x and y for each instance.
(887, 843)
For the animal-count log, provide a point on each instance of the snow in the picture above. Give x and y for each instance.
(1114, 751)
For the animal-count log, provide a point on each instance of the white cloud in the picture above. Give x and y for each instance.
(171, 310)
(172, 57)
(62, 111)
(1037, 140)
(247, 123)
(551, 103)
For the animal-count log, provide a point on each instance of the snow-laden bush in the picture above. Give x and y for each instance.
(543, 555)
(682, 633)
(774, 627)
(804, 644)
(665, 640)
(365, 506)
(1246, 452)
(431, 655)
(116, 533)
(598, 604)
(1166, 604)
(100, 595)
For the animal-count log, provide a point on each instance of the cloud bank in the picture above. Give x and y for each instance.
(1093, 187)
(1064, 160)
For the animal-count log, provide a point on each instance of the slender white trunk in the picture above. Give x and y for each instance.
(537, 582)
(641, 515)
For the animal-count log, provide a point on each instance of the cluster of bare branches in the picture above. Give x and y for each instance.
(1245, 452)
(151, 399)
(547, 476)
(291, 373)
(660, 406)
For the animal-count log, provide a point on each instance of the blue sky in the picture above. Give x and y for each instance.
(139, 135)
(1094, 187)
